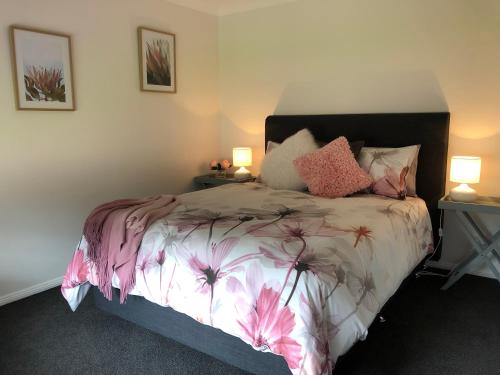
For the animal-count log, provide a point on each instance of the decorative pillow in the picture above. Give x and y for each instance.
(355, 147)
(332, 170)
(392, 169)
(271, 146)
(411, 177)
(277, 170)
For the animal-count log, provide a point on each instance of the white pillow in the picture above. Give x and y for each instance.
(278, 171)
(271, 146)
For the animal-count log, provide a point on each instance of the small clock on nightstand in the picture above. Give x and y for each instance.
(210, 181)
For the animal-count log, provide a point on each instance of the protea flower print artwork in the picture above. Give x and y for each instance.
(158, 62)
(43, 69)
(44, 84)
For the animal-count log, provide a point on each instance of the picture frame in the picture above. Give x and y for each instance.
(157, 60)
(42, 69)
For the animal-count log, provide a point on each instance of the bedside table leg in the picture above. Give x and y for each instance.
(491, 265)
(475, 260)
(467, 265)
(482, 248)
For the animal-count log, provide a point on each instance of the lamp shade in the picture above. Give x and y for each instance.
(242, 156)
(465, 169)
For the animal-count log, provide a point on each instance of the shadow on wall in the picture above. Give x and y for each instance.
(487, 149)
(363, 91)
(367, 91)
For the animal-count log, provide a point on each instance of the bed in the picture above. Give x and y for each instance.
(243, 271)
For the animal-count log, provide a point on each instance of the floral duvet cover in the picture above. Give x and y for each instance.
(297, 275)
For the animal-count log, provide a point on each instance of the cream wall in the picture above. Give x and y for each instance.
(362, 56)
(301, 57)
(120, 142)
(319, 56)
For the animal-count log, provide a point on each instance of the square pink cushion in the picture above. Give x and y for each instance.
(332, 170)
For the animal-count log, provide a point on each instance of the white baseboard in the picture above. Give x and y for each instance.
(483, 272)
(23, 293)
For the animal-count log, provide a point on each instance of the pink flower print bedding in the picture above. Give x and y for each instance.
(300, 276)
(393, 170)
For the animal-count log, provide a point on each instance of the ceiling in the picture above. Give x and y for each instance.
(225, 7)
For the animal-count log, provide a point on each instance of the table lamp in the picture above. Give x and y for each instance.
(242, 157)
(464, 170)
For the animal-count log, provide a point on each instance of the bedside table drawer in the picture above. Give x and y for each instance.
(210, 181)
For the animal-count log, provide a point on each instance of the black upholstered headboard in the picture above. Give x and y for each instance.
(430, 130)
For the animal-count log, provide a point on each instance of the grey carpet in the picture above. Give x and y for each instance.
(427, 332)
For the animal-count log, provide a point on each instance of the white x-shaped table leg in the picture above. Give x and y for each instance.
(485, 250)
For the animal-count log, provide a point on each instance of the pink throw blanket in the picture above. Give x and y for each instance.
(114, 232)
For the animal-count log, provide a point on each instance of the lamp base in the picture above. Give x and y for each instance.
(242, 173)
(463, 193)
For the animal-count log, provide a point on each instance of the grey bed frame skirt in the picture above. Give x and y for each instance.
(185, 330)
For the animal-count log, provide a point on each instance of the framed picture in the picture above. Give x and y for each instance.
(42, 69)
(157, 60)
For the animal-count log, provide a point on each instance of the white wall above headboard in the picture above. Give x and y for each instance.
(325, 57)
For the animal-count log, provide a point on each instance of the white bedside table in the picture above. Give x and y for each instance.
(485, 248)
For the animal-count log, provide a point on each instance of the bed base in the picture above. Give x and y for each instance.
(187, 331)
(203, 338)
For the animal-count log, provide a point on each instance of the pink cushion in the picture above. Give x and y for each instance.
(332, 170)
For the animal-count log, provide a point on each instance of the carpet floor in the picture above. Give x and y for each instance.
(427, 331)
